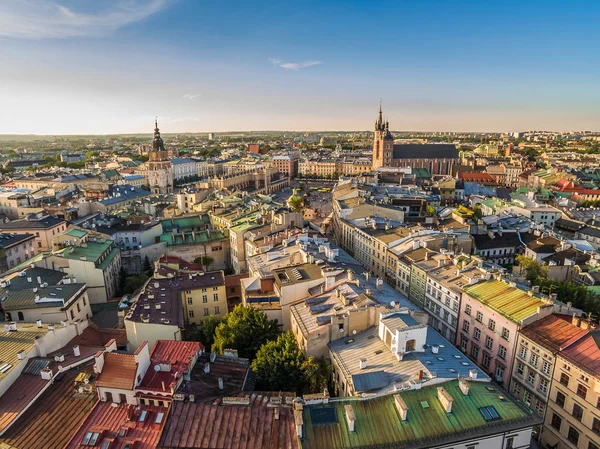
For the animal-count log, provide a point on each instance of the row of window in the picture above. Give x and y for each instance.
(206, 312)
(204, 298)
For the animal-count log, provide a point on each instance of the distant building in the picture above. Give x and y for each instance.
(160, 172)
(439, 159)
(44, 228)
(15, 249)
(256, 149)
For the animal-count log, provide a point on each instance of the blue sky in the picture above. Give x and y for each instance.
(79, 66)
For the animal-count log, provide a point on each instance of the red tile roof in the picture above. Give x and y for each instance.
(483, 178)
(179, 354)
(214, 426)
(109, 419)
(18, 397)
(553, 332)
(48, 425)
(586, 353)
(119, 371)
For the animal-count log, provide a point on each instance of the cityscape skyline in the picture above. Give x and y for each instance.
(78, 68)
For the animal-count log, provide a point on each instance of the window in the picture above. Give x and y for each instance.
(206, 311)
(581, 391)
(539, 408)
(489, 342)
(534, 359)
(489, 413)
(520, 368)
(190, 301)
(143, 416)
(475, 352)
(546, 367)
(204, 298)
(527, 397)
(22, 318)
(468, 309)
(159, 417)
(492, 324)
(90, 438)
(466, 326)
(573, 435)
(476, 334)
(531, 377)
(556, 421)
(217, 311)
(505, 333)
(577, 412)
(191, 313)
(593, 446)
(216, 296)
(486, 360)
(596, 425)
(502, 352)
(480, 317)
(517, 389)
(510, 443)
(560, 399)
(564, 379)
(106, 444)
(543, 385)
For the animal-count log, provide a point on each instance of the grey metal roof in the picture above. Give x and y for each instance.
(369, 381)
(35, 366)
(425, 151)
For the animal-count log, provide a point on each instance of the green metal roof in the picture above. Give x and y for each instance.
(191, 237)
(511, 302)
(76, 233)
(378, 423)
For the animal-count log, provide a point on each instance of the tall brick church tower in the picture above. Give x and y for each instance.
(383, 142)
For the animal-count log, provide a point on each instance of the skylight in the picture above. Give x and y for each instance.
(143, 415)
(159, 418)
(489, 413)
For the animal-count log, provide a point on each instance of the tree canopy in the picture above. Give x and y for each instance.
(204, 332)
(531, 269)
(281, 365)
(245, 329)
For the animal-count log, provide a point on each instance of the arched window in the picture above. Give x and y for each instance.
(411, 345)
(109, 397)
(21, 317)
(8, 316)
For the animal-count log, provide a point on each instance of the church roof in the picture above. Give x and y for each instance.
(425, 151)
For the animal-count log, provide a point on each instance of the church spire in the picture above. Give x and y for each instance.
(157, 142)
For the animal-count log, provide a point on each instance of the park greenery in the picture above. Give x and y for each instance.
(567, 292)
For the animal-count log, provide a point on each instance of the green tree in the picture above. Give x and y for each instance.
(316, 374)
(91, 155)
(477, 213)
(245, 329)
(147, 266)
(296, 203)
(531, 269)
(207, 261)
(204, 332)
(133, 282)
(278, 364)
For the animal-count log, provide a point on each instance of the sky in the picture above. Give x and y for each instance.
(111, 66)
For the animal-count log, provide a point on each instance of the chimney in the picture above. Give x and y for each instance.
(46, 373)
(350, 275)
(220, 383)
(350, 418)
(76, 351)
(29, 279)
(435, 349)
(401, 407)
(12, 326)
(299, 421)
(207, 368)
(473, 373)
(535, 289)
(39, 279)
(59, 357)
(554, 296)
(445, 399)
(21, 355)
(464, 386)
(362, 364)
(276, 413)
(213, 356)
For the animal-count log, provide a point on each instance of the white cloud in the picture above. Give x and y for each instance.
(293, 65)
(191, 96)
(39, 19)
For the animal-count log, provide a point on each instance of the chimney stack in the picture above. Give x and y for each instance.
(76, 351)
(362, 364)
(473, 374)
(220, 383)
(401, 407)
(445, 399)
(464, 386)
(350, 418)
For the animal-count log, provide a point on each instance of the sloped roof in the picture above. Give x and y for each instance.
(553, 332)
(425, 151)
(119, 371)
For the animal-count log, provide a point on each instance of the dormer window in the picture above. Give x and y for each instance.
(90, 438)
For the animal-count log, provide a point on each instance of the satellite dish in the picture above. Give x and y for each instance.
(156, 368)
(393, 304)
(258, 216)
(354, 332)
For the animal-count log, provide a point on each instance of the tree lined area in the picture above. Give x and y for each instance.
(275, 357)
(568, 292)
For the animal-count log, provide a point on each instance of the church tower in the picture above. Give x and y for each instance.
(383, 142)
